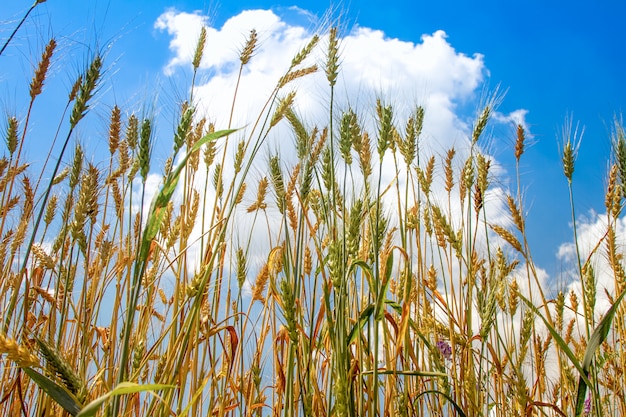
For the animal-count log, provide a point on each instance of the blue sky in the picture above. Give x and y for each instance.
(553, 59)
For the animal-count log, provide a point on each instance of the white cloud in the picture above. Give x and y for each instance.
(183, 42)
(516, 117)
(393, 63)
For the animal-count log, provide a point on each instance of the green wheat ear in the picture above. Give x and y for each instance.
(59, 366)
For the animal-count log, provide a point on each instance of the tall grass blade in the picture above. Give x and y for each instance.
(363, 319)
(123, 388)
(58, 393)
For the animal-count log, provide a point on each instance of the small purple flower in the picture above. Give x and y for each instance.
(445, 349)
(587, 407)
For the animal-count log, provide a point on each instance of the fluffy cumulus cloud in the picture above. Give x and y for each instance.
(183, 41)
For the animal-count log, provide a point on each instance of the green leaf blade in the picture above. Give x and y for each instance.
(58, 393)
(123, 388)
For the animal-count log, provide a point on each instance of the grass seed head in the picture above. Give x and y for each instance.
(589, 285)
(51, 209)
(572, 137)
(482, 167)
(210, 151)
(289, 309)
(197, 56)
(36, 84)
(241, 193)
(516, 214)
(332, 60)
(248, 49)
(318, 145)
(507, 236)
(28, 197)
(260, 283)
(425, 176)
(559, 309)
(365, 156)
(114, 129)
(132, 132)
(86, 91)
(349, 133)
(239, 155)
(525, 333)
(184, 127)
(123, 157)
(613, 196)
(619, 151)
(43, 258)
(448, 171)
(573, 300)
(276, 175)
(145, 148)
(481, 123)
(59, 365)
(17, 353)
(568, 161)
(12, 135)
(283, 105)
(385, 127)
(218, 182)
(489, 311)
(303, 142)
(4, 163)
(75, 88)
(308, 261)
(305, 52)
(289, 197)
(296, 74)
(259, 204)
(77, 166)
(513, 297)
(519, 143)
(87, 205)
(353, 238)
(242, 267)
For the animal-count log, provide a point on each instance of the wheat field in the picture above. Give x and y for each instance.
(250, 284)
